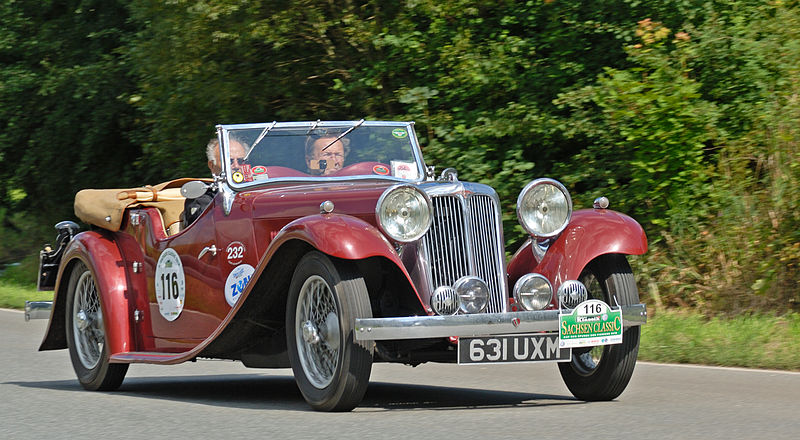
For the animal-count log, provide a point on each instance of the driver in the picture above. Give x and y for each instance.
(192, 208)
(324, 161)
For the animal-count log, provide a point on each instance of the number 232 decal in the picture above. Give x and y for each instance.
(235, 252)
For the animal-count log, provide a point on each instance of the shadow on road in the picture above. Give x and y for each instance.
(254, 391)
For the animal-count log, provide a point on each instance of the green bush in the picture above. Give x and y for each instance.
(705, 154)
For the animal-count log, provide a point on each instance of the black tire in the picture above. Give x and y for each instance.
(602, 373)
(330, 367)
(86, 335)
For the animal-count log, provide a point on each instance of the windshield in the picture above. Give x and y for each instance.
(255, 153)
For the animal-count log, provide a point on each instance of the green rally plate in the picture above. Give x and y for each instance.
(591, 323)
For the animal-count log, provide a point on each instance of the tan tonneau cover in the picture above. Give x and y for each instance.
(103, 207)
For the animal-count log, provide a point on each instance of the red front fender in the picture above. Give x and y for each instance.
(340, 236)
(591, 233)
(98, 251)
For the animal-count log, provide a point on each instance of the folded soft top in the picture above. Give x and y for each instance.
(105, 207)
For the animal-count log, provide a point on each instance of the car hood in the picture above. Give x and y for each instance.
(295, 200)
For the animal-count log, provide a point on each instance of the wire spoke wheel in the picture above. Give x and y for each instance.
(317, 331)
(325, 297)
(87, 322)
(603, 372)
(586, 360)
(86, 335)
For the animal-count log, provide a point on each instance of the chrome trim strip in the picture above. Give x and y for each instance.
(478, 324)
(227, 198)
(38, 309)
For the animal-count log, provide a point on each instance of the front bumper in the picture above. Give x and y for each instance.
(480, 324)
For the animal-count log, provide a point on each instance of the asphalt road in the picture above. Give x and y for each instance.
(40, 398)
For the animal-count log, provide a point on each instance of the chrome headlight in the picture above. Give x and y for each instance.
(404, 213)
(544, 208)
(473, 292)
(533, 291)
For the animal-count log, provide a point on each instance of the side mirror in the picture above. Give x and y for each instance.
(194, 189)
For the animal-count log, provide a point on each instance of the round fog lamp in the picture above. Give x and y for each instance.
(473, 292)
(533, 291)
(444, 301)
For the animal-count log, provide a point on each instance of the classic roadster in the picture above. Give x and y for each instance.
(328, 246)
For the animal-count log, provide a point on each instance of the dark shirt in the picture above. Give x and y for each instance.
(192, 208)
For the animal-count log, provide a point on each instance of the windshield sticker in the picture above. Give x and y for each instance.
(236, 282)
(259, 172)
(404, 170)
(247, 173)
(237, 177)
(170, 285)
(235, 252)
(399, 133)
(380, 169)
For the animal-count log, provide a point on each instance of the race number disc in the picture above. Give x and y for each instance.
(235, 252)
(236, 282)
(170, 285)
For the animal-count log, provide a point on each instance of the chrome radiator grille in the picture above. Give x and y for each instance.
(464, 240)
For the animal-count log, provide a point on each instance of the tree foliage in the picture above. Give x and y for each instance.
(683, 113)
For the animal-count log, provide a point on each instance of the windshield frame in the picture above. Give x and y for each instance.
(224, 130)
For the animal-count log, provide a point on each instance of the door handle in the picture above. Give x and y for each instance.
(212, 249)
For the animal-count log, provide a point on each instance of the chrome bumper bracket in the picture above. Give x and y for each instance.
(37, 309)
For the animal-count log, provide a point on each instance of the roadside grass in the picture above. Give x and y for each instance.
(18, 284)
(672, 336)
(751, 341)
(13, 296)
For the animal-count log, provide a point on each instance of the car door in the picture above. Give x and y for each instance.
(237, 255)
(184, 285)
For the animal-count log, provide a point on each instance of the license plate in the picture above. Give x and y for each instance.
(512, 348)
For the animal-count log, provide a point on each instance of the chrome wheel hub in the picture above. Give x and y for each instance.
(81, 320)
(310, 333)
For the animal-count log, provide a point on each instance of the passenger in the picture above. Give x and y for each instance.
(238, 152)
(192, 208)
(324, 163)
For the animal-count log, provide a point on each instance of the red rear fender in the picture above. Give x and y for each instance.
(100, 253)
(590, 233)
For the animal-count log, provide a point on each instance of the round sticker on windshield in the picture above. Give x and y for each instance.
(399, 133)
(170, 285)
(236, 282)
(237, 177)
(380, 169)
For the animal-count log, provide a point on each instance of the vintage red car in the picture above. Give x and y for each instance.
(327, 246)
